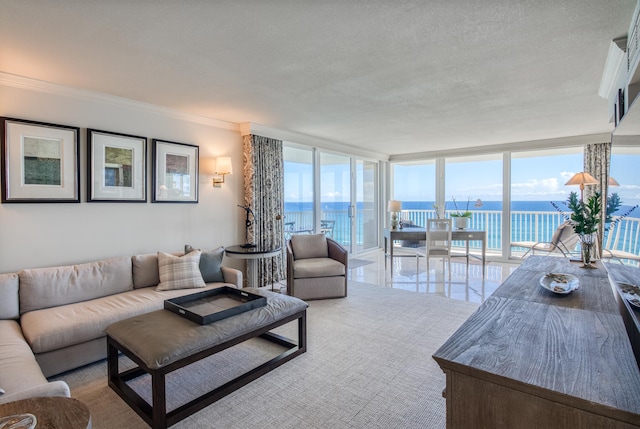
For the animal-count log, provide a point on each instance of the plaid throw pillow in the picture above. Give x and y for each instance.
(179, 272)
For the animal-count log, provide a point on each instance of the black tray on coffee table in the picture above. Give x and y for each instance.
(214, 304)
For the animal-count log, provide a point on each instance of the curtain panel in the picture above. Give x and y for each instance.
(263, 166)
(597, 158)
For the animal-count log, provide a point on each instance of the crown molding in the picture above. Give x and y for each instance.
(21, 82)
(555, 143)
(308, 140)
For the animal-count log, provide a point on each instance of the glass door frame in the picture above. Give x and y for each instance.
(352, 243)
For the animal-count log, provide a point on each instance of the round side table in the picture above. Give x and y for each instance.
(54, 412)
(251, 254)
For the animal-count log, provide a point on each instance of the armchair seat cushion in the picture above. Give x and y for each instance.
(317, 267)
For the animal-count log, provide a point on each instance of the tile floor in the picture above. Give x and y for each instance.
(467, 282)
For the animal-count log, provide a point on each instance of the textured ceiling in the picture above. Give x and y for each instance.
(394, 77)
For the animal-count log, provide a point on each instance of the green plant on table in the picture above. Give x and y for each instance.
(585, 216)
(466, 212)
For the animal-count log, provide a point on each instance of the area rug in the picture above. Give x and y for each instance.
(357, 263)
(368, 365)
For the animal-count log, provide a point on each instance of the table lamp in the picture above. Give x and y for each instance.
(582, 179)
(394, 208)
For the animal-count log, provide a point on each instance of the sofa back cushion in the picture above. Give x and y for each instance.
(145, 270)
(306, 246)
(9, 304)
(55, 286)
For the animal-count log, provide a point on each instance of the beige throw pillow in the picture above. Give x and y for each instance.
(179, 272)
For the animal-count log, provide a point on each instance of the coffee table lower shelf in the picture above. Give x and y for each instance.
(156, 415)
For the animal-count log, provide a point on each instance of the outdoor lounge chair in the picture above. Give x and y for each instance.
(564, 241)
(619, 255)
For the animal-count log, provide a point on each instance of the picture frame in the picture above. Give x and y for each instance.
(116, 167)
(40, 162)
(620, 105)
(175, 172)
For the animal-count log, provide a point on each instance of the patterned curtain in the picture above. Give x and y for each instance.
(264, 194)
(597, 157)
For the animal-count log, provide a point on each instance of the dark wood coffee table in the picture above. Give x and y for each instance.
(54, 412)
(162, 341)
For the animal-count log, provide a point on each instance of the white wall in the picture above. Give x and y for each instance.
(39, 235)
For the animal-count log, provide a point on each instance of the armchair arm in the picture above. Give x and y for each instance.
(290, 279)
(290, 260)
(337, 252)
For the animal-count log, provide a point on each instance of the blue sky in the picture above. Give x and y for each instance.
(533, 179)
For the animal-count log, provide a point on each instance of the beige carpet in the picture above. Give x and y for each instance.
(368, 365)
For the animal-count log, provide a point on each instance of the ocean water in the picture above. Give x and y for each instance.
(539, 227)
(531, 206)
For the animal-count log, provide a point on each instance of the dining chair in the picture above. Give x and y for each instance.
(438, 242)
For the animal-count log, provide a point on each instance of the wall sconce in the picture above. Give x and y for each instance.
(223, 167)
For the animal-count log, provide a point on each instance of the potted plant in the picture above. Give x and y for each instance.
(585, 218)
(461, 218)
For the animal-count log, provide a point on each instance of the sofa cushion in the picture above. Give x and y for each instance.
(18, 367)
(59, 327)
(309, 246)
(179, 272)
(210, 262)
(50, 287)
(317, 267)
(145, 270)
(9, 304)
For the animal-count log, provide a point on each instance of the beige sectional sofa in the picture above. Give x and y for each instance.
(52, 319)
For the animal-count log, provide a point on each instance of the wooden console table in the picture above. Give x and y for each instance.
(528, 358)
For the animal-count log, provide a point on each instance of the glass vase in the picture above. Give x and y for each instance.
(587, 242)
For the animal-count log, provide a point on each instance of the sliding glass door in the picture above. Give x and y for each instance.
(366, 200)
(333, 194)
(298, 191)
(336, 210)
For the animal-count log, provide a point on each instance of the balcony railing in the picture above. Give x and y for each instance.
(535, 226)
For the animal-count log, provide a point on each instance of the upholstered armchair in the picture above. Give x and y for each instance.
(316, 267)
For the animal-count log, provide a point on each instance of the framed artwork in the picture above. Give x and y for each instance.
(175, 172)
(116, 167)
(40, 162)
(620, 104)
